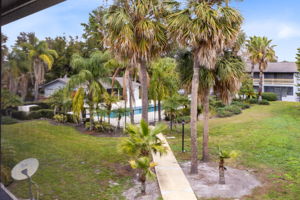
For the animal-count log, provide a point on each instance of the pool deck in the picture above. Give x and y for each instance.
(171, 179)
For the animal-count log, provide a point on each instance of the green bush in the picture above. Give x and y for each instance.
(35, 108)
(21, 115)
(43, 113)
(270, 96)
(61, 118)
(234, 109)
(101, 127)
(8, 160)
(223, 112)
(240, 104)
(253, 101)
(8, 120)
(264, 102)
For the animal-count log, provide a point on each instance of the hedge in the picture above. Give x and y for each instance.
(263, 102)
(270, 96)
(8, 120)
(43, 113)
(21, 115)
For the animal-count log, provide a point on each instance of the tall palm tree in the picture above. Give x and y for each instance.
(135, 31)
(41, 57)
(261, 52)
(206, 29)
(91, 76)
(250, 50)
(163, 81)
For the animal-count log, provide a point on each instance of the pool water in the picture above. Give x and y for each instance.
(136, 111)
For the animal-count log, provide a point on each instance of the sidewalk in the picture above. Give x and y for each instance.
(172, 181)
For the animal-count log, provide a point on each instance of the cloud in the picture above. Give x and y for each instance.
(273, 29)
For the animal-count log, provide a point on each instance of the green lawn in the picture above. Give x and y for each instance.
(76, 166)
(72, 165)
(268, 140)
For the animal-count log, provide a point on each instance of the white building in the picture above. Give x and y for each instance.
(281, 78)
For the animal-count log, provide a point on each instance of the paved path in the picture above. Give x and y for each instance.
(172, 181)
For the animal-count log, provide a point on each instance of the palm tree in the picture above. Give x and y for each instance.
(144, 165)
(135, 31)
(120, 112)
(41, 57)
(250, 50)
(222, 156)
(108, 101)
(60, 102)
(163, 81)
(91, 75)
(206, 29)
(261, 52)
(142, 140)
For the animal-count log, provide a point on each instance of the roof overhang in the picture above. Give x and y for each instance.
(12, 10)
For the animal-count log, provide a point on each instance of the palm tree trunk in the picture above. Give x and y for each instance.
(194, 98)
(260, 85)
(144, 85)
(205, 155)
(159, 110)
(91, 117)
(36, 90)
(143, 182)
(125, 103)
(131, 109)
(221, 171)
(154, 118)
(252, 70)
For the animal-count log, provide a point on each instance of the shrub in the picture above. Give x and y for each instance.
(7, 162)
(253, 101)
(61, 118)
(234, 109)
(270, 96)
(103, 127)
(240, 104)
(35, 108)
(8, 120)
(223, 112)
(264, 102)
(21, 115)
(43, 113)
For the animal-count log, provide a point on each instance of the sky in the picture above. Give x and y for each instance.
(276, 19)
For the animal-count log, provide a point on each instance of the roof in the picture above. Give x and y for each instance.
(62, 80)
(105, 85)
(12, 10)
(279, 67)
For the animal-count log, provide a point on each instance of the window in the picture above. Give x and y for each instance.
(279, 75)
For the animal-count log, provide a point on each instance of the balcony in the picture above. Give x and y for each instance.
(275, 81)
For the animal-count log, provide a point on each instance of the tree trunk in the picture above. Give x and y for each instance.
(194, 98)
(36, 90)
(260, 85)
(154, 111)
(221, 171)
(252, 70)
(171, 121)
(143, 182)
(205, 155)
(159, 110)
(91, 117)
(125, 104)
(144, 86)
(131, 110)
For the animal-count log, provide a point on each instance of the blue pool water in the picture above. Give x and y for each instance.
(136, 111)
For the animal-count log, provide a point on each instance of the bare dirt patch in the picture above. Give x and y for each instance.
(205, 184)
(134, 193)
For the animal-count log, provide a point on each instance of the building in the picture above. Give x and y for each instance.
(281, 78)
(51, 87)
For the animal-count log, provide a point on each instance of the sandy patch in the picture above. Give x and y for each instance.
(134, 193)
(238, 182)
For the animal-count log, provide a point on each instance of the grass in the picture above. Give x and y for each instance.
(268, 141)
(72, 165)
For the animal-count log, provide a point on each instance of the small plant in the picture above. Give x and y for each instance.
(61, 118)
(263, 102)
(222, 156)
(269, 96)
(145, 166)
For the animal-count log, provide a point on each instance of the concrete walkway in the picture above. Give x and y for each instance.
(171, 179)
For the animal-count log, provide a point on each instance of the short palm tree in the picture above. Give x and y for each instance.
(143, 139)
(41, 57)
(135, 31)
(145, 166)
(222, 156)
(261, 52)
(91, 75)
(207, 30)
(163, 81)
(120, 112)
(108, 101)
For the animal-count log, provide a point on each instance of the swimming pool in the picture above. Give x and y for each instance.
(136, 111)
